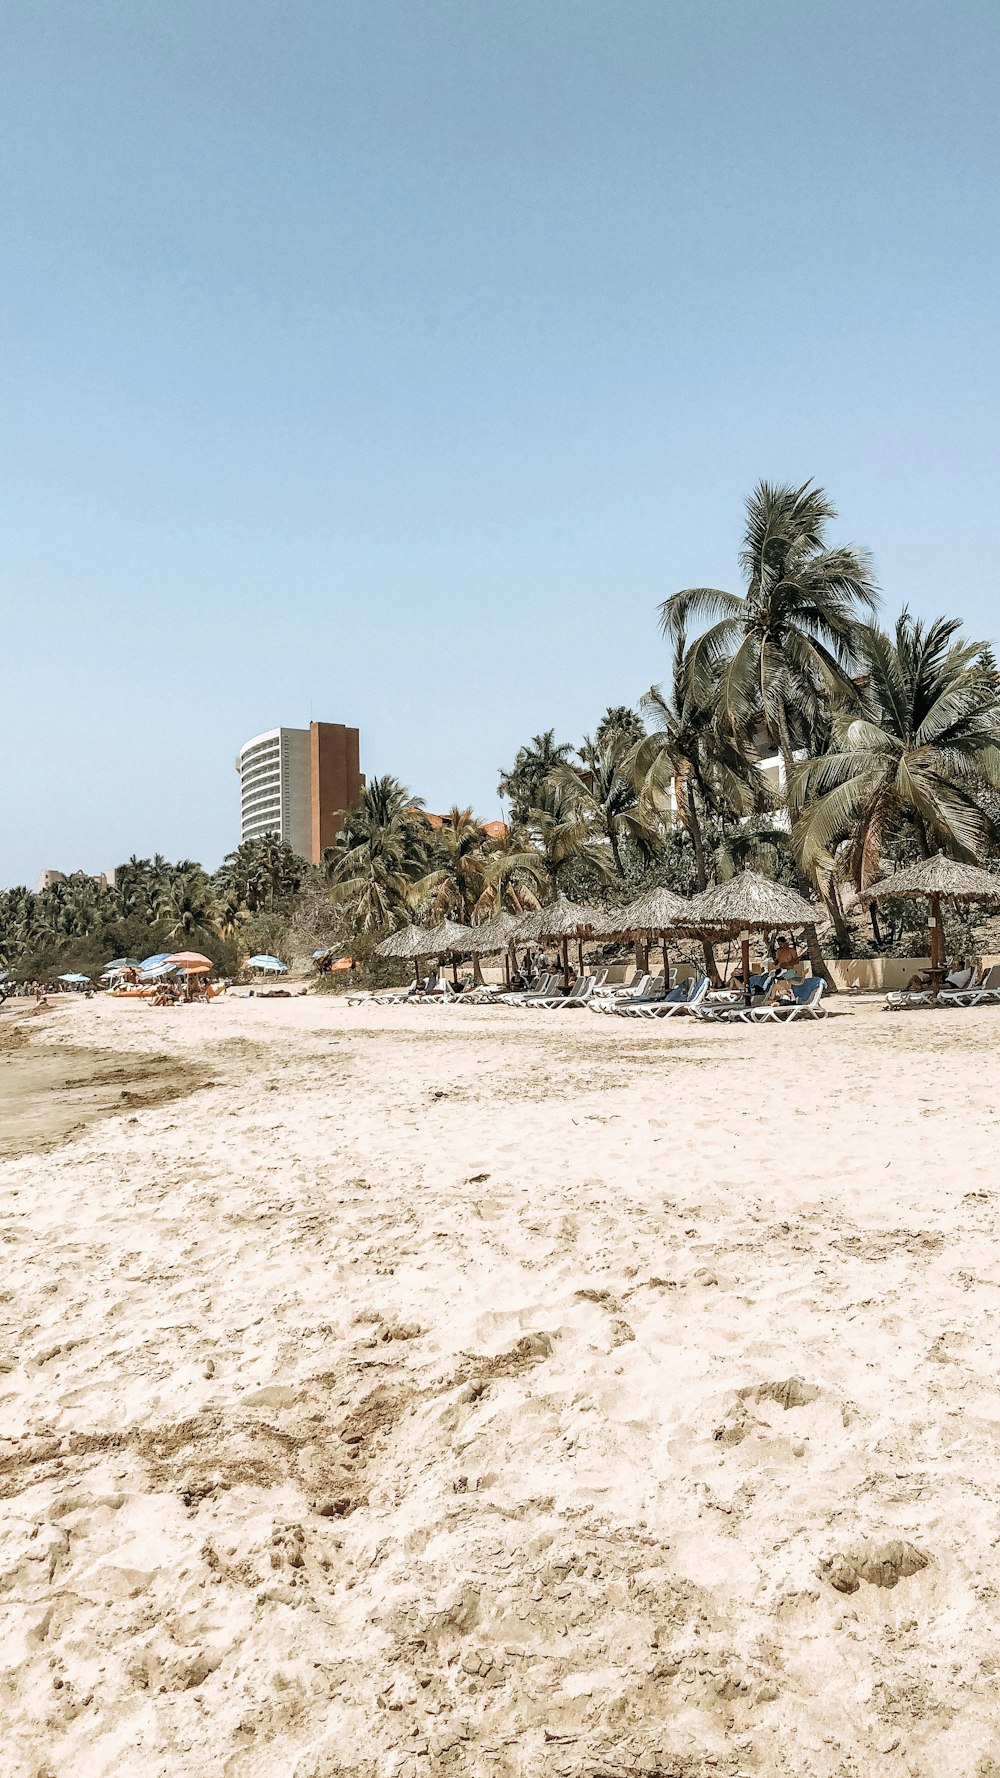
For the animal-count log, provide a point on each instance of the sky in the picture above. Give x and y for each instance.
(387, 362)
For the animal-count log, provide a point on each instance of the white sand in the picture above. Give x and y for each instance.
(309, 1285)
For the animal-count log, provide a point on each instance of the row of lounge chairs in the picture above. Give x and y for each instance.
(984, 992)
(646, 998)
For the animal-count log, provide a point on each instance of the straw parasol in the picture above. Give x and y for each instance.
(936, 880)
(560, 921)
(449, 936)
(748, 903)
(494, 935)
(647, 918)
(408, 942)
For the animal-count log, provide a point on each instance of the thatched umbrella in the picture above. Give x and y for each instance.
(410, 942)
(647, 918)
(560, 921)
(747, 903)
(495, 936)
(936, 880)
(448, 939)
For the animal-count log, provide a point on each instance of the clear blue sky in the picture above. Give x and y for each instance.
(387, 363)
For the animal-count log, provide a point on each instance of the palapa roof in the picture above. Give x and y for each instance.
(494, 934)
(749, 903)
(941, 876)
(406, 942)
(449, 936)
(561, 919)
(653, 912)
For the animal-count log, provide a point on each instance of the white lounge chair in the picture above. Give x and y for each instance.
(544, 990)
(684, 999)
(901, 999)
(985, 992)
(806, 1004)
(578, 995)
(613, 999)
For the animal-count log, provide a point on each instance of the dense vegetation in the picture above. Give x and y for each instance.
(887, 742)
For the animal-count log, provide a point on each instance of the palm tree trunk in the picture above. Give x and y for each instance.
(693, 825)
(845, 938)
(816, 963)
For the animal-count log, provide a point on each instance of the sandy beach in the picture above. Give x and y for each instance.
(393, 1391)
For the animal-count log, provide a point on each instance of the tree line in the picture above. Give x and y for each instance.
(885, 738)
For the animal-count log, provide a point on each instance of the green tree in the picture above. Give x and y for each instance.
(690, 765)
(791, 640)
(380, 852)
(522, 784)
(603, 795)
(921, 756)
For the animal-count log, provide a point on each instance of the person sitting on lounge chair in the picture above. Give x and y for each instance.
(786, 957)
(961, 977)
(781, 992)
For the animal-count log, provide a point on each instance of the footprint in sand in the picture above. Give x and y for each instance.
(738, 1420)
(880, 1564)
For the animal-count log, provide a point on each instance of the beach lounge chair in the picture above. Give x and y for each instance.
(685, 998)
(612, 1000)
(546, 987)
(903, 998)
(806, 1004)
(985, 992)
(577, 996)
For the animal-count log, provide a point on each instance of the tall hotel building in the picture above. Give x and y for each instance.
(295, 781)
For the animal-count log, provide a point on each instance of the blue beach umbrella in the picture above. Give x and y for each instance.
(73, 976)
(154, 962)
(273, 963)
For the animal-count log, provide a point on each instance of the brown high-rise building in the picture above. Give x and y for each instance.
(335, 780)
(295, 782)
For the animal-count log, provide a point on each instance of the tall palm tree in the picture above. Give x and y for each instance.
(378, 854)
(459, 874)
(689, 764)
(533, 765)
(604, 794)
(922, 753)
(790, 640)
(561, 835)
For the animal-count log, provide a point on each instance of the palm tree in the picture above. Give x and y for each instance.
(688, 764)
(790, 640)
(561, 835)
(459, 874)
(380, 851)
(188, 908)
(604, 795)
(923, 753)
(533, 765)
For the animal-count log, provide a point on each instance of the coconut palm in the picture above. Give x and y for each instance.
(603, 794)
(379, 852)
(689, 765)
(790, 640)
(458, 879)
(561, 836)
(920, 754)
(532, 767)
(188, 908)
